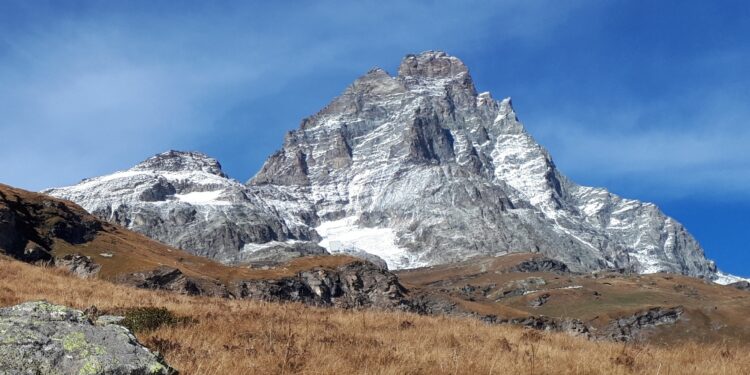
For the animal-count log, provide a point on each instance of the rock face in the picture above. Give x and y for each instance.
(184, 199)
(172, 279)
(541, 265)
(632, 327)
(41, 338)
(416, 169)
(350, 285)
(29, 225)
(79, 265)
(273, 254)
(357, 284)
(572, 327)
(421, 169)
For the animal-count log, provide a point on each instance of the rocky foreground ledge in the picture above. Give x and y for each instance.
(42, 338)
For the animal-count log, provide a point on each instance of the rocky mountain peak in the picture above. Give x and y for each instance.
(178, 161)
(432, 64)
(417, 169)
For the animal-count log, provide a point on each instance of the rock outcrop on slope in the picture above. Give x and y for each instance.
(41, 338)
(741, 285)
(630, 328)
(415, 169)
(30, 227)
(353, 285)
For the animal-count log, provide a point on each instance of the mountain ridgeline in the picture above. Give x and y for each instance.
(410, 170)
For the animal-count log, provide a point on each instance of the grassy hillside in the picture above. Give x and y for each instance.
(711, 312)
(247, 337)
(118, 250)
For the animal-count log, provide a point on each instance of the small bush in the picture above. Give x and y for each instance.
(406, 324)
(144, 319)
(162, 345)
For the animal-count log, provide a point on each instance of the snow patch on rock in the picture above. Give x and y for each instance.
(344, 236)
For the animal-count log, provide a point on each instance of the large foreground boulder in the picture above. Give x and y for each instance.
(42, 338)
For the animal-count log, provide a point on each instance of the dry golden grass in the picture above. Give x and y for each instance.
(711, 313)
(247, 337)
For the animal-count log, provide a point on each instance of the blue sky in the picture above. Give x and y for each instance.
(647, 98)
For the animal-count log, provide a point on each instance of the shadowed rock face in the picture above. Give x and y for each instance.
(541, 265)
(31, 223)
(172, 279)
(41, 338)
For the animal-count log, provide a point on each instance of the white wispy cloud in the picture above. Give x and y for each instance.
(701, 148)
(86, 91)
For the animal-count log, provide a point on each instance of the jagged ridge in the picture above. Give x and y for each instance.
(416, 169)
(185, 199)
(453, 174)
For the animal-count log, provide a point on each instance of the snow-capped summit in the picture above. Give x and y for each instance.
(421, 169)
(416, 169)
(181, 161)
(186, 200)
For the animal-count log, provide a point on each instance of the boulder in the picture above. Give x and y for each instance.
(42, 338)
(741, 285)
(79, 265)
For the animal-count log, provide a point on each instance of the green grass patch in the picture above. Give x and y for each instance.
(144, 319)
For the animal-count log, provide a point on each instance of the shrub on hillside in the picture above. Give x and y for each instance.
(144, 319)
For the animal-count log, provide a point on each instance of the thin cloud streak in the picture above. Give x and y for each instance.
(705, 151)
(100, 88)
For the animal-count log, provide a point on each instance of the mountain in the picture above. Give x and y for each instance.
(184, 199)
(416, 169)
(442, 172)
(40, 229)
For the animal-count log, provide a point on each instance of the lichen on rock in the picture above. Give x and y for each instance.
(43, 338)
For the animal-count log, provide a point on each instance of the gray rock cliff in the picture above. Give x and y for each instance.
(435, 172)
